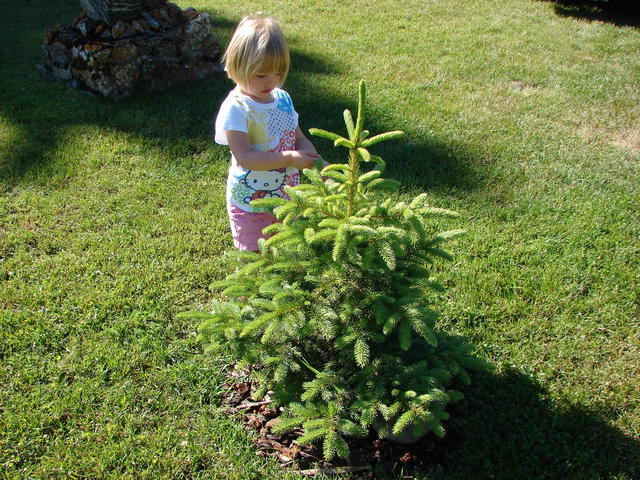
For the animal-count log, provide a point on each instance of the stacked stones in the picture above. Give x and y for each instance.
(118, 47)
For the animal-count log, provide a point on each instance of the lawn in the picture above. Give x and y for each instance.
(520, 115)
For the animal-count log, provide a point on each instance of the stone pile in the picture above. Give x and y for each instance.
(157, 49)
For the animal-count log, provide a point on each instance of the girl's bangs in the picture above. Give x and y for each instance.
(274, 62)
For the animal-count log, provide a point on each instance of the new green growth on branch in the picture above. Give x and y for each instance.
(336, 314)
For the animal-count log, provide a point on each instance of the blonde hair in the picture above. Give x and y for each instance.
(257, 46)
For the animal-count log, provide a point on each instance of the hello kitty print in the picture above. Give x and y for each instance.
(271, 128)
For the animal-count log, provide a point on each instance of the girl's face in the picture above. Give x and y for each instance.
(260, 85)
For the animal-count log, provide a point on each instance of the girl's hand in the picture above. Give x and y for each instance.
(301, 159)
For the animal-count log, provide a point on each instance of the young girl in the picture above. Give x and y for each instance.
(258, 122)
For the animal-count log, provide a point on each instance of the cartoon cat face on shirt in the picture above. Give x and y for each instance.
(267, 181)
(265, 184)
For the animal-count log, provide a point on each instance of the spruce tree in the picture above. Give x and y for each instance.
(336, 313)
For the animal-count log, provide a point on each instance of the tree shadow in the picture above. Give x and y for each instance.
(507, 428)
(177, 123)
(416, 161)
(623, 13)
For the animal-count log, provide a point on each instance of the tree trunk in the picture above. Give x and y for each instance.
(110, 11)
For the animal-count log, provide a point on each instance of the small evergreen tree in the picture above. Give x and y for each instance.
(335, 314)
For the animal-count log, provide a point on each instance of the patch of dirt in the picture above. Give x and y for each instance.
(525, 88)
(628, 139)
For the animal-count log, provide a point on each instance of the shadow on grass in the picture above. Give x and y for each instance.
(175, 124)
(506, 428)
(623, 13)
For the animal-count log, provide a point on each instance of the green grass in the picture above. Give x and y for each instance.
(112, 220)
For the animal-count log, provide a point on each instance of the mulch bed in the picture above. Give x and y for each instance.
(369, 456)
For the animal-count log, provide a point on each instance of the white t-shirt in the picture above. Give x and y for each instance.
(271, 128)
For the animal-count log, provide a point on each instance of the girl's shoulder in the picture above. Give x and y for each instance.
(232, 112)
(283, 100)
(280, 94)
(236, 97)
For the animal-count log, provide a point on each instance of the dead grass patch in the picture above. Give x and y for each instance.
(628, 139)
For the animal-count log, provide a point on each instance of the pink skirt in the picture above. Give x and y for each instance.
(246, 227)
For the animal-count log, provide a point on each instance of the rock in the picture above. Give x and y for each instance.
(196, 31)
(173, 9)
(94, 54)
(123, 53)
(68, 35)
(166, 50)
(129, 32)
(92, 48)
(153, 24)
(150, 41)
(78, 60)
(50, 34)
(63, 73)
(209, 49)
(190, 13)
(118, 29)
(80, 17)
(102, 55)
(106, 34)
(86, 26)
(82, 26)
(59, 54)
(126, 76)
(138, 26)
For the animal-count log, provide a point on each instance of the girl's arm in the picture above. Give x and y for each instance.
(254, 160)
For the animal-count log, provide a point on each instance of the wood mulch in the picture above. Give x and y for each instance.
(370, 456)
